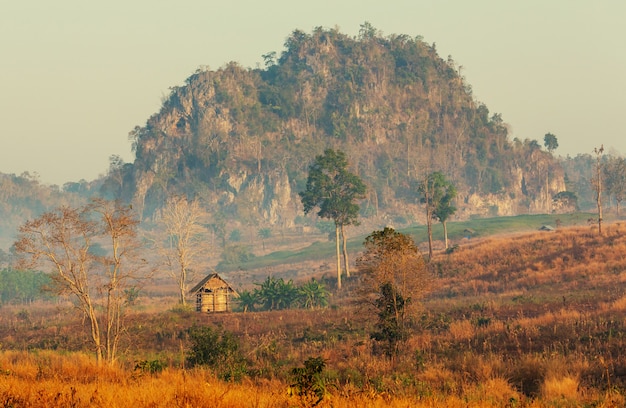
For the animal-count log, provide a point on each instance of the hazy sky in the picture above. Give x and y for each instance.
(77, 76)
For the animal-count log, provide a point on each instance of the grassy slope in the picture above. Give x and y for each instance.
(529, 319)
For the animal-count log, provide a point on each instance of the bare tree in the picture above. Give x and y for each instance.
(597, 184)
(185, 240)
(118, 229)
(64, 240)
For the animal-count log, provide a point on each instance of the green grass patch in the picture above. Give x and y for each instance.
(480, 227)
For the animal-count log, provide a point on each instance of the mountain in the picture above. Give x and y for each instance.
(241, 139)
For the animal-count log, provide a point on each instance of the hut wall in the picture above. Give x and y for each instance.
(217, 300)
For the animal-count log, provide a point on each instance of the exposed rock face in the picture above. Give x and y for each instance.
(242, 139)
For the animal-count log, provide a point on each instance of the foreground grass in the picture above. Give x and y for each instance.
(47, 379)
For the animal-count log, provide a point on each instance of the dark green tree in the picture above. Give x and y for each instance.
(308, 381)
(550, 142)
(334, 190)
(390, 329)
(218, 350)
(437, 194)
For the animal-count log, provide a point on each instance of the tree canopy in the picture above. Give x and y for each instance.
(393, 278)
(437, 194)
(334, 190)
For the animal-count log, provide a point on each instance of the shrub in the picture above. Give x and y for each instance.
(308, 382)
(150, 366)
(218, 350)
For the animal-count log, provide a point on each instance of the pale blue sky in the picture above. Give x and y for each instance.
(76, 76)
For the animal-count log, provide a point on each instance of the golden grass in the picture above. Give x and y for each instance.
(65, 386)
(560, 389)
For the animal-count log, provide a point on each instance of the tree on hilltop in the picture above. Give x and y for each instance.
(550, 142)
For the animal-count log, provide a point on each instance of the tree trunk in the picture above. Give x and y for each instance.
(345, 252)
(95, 330)
(429, 224)
(599, 201)
(181, 286)
(445, 233)
(338, 257)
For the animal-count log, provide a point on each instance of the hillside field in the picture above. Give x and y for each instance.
(526, 319)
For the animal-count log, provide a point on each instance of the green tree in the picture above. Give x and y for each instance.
(248, 300)
(276, 294)
(437, 194)
(445, 210)
(333, 189)
(308, 382)
(264, 233)
(24, 286)
(313, 294)
(550, 142)
(218, 350)
(390, 328)
(615, 179)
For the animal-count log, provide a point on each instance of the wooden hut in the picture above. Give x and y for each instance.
(213, 294)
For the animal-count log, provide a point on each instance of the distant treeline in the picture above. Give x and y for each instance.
(23, 286)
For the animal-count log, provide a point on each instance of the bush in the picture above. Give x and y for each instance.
(218, 350)
(308, 382)
(150, 366)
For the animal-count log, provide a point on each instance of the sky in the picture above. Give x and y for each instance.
(77, 76)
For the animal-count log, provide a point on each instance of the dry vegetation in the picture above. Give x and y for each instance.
(529, 320)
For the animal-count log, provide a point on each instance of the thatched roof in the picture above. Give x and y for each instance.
(212, 280)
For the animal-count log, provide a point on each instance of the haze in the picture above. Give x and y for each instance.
(76, 77)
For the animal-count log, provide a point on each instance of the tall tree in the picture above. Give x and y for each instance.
(444, 210)
(437, 194)
(64, 241)
(184, 242)
(597, 183)
(394, 276)
(615, 179)
(333, 189)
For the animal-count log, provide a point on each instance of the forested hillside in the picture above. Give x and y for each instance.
(241, 139)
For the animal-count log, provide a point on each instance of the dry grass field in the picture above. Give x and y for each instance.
(528, 320)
